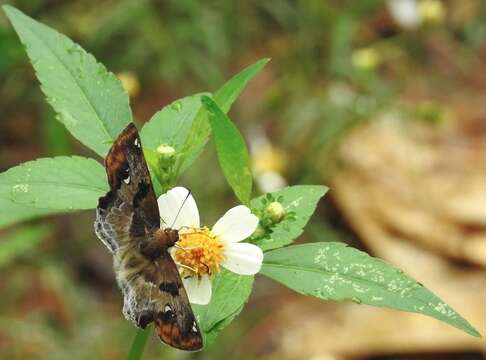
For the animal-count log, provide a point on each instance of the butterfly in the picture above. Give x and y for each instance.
(128, 223)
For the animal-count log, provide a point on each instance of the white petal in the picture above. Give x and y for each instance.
(243, 258)
(237, 224)
(174, 203)
(198, 290)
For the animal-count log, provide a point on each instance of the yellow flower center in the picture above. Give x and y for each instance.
(199, 252)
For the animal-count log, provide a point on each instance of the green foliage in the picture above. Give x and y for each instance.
(172, 125)
(177, 125)
(197, 139)
(21, 242)
(341, 42)
(10, 49)
(230, 91)
(56, 140)
(184, 124)
(89, 100)
(12, 212)
(232, 152)
(136, 350)
(210, 336)
(230, 293)
(333, 271)
(299, 203)
(224, 97)
(59, 183)
(92, 105)
(161, 170)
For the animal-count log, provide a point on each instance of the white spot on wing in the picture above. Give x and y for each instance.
(137, 143)
(127, 180)
(194, 327)
(167, 308)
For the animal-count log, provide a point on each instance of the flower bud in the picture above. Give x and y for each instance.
(259, 232)
(276, 211)
(166, 151)
(365, 59)
(432, 11)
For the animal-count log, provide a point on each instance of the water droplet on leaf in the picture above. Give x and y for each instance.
(356, 300)
(176, 106)
(20, 188)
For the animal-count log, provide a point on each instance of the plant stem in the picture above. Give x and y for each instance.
(138, 344)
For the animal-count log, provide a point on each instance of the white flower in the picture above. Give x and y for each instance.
(268, 162)
(200, 251)
(405, 12)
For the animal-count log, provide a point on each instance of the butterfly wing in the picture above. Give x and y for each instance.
(158, 295)
(127, 217)
(176, 326)
(129, 210)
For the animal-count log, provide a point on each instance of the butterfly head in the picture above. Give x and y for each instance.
(167, 236)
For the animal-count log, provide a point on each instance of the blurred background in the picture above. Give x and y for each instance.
(383, 101)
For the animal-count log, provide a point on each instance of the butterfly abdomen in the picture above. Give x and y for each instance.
(129, 263)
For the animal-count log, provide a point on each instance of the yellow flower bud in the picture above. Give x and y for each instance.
(365, 58)
(276, 211)
(432, 11)
(166, 150)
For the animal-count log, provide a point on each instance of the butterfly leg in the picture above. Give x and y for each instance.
(186, 267)
(185, 248)
(208, 269)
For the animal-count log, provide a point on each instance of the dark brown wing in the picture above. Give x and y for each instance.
(173, 317)
(129, 210)
(176, 324)
(126, 217)
(154, 292)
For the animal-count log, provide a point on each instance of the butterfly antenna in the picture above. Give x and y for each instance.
(179, 211)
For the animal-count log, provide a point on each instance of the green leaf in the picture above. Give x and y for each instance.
(299, 203)
(232, 152)
(184, 123)
(197, 139)
(89, 100)
(230, 293)
(158, 173)
(171, 125)
(138, 344)
(211, 335)
(333, 271)
(227, 94)
(224, 97)
(56, 140)
(59, 183)
(181, 125)
(21, 242)
(12, 213)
